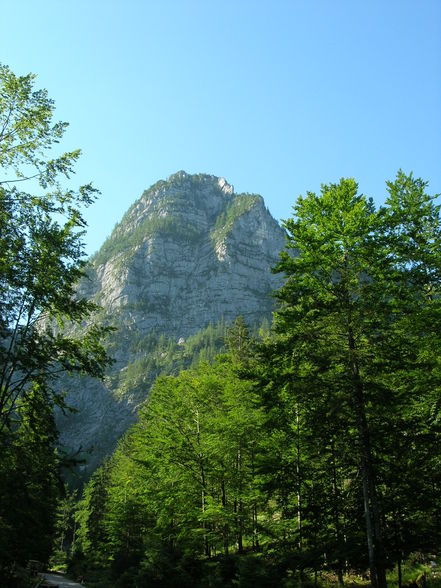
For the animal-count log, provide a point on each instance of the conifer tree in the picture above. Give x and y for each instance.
(330, 303)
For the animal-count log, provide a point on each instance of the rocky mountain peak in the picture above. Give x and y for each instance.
(188, 232)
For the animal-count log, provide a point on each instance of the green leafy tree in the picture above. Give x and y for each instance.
(41, 259)
(91, 536)
(183, 483)
(65, 526)
(29, 486)
(41, 250)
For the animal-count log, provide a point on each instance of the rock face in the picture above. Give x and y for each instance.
(189, 253)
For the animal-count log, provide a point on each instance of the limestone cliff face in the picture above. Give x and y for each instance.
(188, 253)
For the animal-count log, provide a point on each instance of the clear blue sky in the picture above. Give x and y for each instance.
(277, 96)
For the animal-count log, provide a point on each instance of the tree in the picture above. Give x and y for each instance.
(357, 330)
(41, 252)
(43, 330)
(65, 526)
(411, 229)
(29, 486)
(182, 487)
(333, 306)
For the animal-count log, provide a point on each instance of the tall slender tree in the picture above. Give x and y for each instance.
(332, 305)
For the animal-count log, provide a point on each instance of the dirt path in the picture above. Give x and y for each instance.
(60, 581)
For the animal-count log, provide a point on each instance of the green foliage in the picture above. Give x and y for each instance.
(159, 355)
(227, 219)
(91, 536)
(125, 242)
(183, 480)
(355, 319)
(29, 484)
(41, 255)
(27, 132)
(41, 259)
(313, 453)
(153, 355)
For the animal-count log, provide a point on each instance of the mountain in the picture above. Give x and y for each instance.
(186, 259)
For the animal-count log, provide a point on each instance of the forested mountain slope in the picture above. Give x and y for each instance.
(189, 255)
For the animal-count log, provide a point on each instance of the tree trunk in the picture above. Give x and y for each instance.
(398, 542)
(379, 548)
(202, 481)
(299, 488)
(336, 515)
(225, 529)
(254, 514)
(373, 528)
(239, 500)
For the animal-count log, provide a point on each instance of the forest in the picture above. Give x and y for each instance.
(308, 455)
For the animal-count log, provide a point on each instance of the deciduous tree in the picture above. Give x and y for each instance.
(41, 260)
(41, 251)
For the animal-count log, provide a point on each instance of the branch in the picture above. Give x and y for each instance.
(11, 108)
(21, 179)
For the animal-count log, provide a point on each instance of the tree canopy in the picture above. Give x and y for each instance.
(41, 250)
(41, 259)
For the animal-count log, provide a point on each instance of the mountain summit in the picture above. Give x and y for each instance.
(188, 254)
